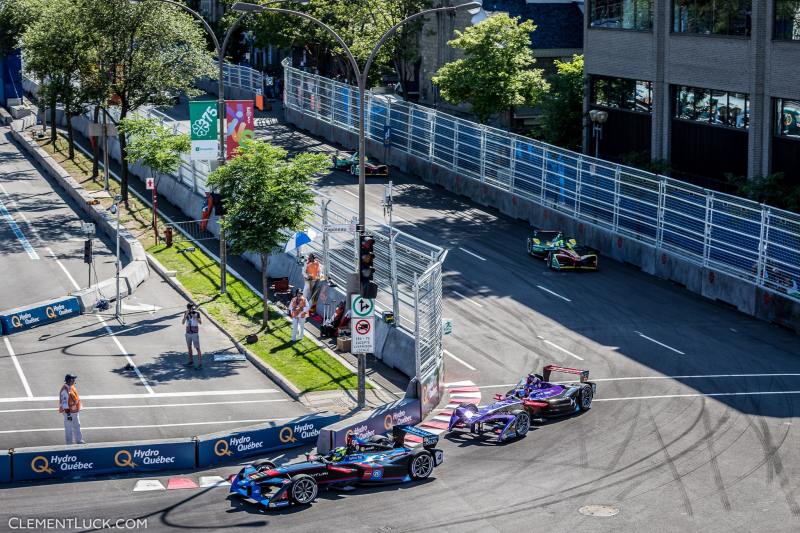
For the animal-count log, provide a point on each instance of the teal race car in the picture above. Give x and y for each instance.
(542, 242)
(349, 163)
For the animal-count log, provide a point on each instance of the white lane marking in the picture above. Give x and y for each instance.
(473, 254)
(642, 335)
(53, 255)
(124, 352)
(465, 298)
(466, 383)
(146, 406)
(18, 367)
(733, 330)
(458, 359)
(554, 293)
(698, 394)
(146, 426)
(461, 395)
(23, 240)
(401, 219)
(13, 203)
(699, 376)
(350, 193)
(188, 394)
(502, 386)
(140, 307)
(557, 347)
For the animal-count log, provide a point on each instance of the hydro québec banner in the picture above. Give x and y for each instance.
(241, 124)
(226, 446)
(377, 422)
(38, 314)
(54, 462)
(204, 126)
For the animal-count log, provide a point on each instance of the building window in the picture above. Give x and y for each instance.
(787, 19)
(718, 108)
(622, 93)
(717, 17)
(788, 118)
(622, 14)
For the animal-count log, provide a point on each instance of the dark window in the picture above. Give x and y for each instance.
(622, 14)
(622, 93)
(717, 17)
(717, 108)
(788, 118)
(787, 19)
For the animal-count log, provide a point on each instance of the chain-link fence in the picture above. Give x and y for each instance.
(751, 241)
(428, 319)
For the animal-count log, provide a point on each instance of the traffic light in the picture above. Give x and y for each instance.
(87, 251)
(366, 267)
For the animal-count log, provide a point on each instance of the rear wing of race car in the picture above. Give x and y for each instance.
(584, 374)
(429, 440)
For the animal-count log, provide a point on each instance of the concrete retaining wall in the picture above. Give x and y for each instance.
(711, 283)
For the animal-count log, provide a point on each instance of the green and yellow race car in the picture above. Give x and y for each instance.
(573, 256)
(542, 242)
(349, 163)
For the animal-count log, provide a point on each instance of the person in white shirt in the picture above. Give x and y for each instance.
(192, 320)
(69, 403)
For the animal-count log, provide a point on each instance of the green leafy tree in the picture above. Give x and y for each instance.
(495, 74)
(264, 194)
(148, 51)
(15, 17)
(562, 106)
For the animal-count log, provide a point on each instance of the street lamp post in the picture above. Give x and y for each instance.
(475, 8)
(220, 49)
(598, 118)
(115, 209)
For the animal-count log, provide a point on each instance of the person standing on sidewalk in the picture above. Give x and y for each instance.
(192, 320)
(298, 309)
(312, 274)
(69, 403)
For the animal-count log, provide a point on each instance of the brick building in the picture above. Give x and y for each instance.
(710, 85)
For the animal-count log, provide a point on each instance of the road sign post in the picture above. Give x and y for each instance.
(363, 338)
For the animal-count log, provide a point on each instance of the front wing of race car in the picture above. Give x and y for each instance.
(574, 259)
(269, 488)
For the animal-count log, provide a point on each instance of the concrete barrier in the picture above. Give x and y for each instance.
(237, 444)
(60, 462)
(38, 314)
(366, 424)
(697, 278)
(5, 467)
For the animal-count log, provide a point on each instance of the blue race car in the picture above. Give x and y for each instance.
(506, 418)
(378, 459)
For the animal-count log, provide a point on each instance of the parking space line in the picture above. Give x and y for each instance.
(465, 298)
(554, 293)
(447, 352)
(18, 367)
(698, 394)
(125, 353)
(642, 335)
(53, 255)
(147, 406)
(188, 394)
(148, 426)
(473, 254)
(23, 240)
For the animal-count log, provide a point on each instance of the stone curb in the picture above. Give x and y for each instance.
(262, 366)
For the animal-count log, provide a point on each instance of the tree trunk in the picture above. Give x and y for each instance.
(53, 120)
(265, 290)
(123, 146)
(70, 136)
(96, 147)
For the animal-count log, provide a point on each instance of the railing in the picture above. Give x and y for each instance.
(242, 77)
(751, 241)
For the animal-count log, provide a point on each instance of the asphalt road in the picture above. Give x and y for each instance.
(159, 398)
(693, 427)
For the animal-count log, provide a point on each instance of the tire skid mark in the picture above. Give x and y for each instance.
(676, 476)
(623, 447)
(775, 463)
(723, 494)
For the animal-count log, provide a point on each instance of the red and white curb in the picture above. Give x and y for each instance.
(458, 392)
(180, 483)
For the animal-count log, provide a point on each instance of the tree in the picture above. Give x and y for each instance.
(15, 17)
(148, 51)
(495, 74)
(155, 146)
(562, 106)
(265, 193)
(56, 51)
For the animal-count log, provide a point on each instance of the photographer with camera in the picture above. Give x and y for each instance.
(193, 320)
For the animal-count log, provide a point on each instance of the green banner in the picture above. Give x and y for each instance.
(203, 117)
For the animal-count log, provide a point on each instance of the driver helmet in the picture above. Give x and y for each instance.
(533, 382)
(338, 454)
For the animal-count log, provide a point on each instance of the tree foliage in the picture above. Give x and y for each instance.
(562, 105)
(15, 17)
(495, 74)
(773, 189)
(264, 193)
(154, 145)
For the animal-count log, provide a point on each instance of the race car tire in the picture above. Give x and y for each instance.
(585, 398)
(303, 489)
(264, 465)
(353, 170)
(421, 465)
(522, 423)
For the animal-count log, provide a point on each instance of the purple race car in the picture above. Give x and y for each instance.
(506, 418)
(544, 399)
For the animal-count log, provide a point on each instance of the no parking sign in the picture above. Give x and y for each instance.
(363, 329)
